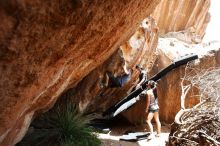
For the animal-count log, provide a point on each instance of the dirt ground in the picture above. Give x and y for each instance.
(112, 138)
(106, 142)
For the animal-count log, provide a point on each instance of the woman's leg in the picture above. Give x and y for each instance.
(149, 118)
(156, 118)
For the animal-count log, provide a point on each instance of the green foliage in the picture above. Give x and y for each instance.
(62, 126)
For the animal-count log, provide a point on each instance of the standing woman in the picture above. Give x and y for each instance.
(153, 108)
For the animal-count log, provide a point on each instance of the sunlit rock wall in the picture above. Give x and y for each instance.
(169, 87)
(95, 95)
(48, 46)
(189, 16)
(184, 20)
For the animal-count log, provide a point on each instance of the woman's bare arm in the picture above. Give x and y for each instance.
(148, 101)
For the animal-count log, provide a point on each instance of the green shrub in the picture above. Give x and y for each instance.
(61, 126)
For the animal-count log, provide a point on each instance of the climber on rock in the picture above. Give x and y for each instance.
(118, 81)
(142, 76)
(152, 108)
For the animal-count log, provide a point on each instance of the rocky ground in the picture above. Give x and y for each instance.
(113, 137)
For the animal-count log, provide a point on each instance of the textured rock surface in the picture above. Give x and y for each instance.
(169, 89)
(189, 23)
(94, 95)
(189, 16)
(49, 46)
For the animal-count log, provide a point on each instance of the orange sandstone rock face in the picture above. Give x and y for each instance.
(189, 16)
(94, 94)
(186, 21)
(49, 46)
(169, 87)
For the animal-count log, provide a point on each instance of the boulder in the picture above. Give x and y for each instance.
(169, 87)
(189, 17)
(95, 88)
(47, 47)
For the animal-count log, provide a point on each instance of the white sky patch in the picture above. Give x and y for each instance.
(213, 29)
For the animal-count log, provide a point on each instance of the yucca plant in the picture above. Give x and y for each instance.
(61, 126)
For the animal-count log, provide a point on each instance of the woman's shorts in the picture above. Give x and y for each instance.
(153, 111)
